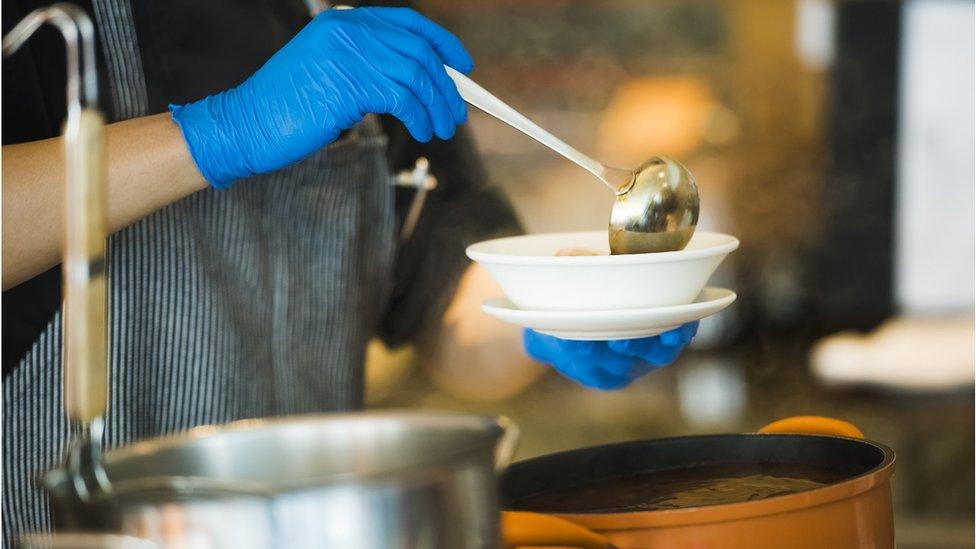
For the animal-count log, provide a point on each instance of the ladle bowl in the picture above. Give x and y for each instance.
(658, 213)
(656, 208)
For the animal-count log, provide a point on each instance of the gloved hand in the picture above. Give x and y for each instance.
(608, 364)
(341, 66)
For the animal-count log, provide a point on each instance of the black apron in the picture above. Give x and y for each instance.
(255, 301)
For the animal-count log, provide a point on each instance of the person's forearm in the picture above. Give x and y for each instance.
(323, 81)
(148, 167)
(474, 356)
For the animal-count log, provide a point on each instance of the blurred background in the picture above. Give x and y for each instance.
(835, 139)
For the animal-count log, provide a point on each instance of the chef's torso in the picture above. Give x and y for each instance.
(254, 301)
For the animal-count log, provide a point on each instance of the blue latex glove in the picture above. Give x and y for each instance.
(343, 65)
(608, 364)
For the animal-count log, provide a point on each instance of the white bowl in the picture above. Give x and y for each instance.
(535, 278)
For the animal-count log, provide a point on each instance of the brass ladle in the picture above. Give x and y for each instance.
(656, 209)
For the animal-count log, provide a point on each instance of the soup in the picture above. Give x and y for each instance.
(577, 251)
(678, 489)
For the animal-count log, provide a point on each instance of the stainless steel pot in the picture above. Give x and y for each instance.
(394, 479)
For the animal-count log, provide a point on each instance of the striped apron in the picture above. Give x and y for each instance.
(255, 301)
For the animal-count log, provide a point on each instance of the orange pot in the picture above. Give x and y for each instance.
(852, 511)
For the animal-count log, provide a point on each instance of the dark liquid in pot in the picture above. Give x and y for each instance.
(677, 489)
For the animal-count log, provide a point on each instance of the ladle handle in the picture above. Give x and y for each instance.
(484, 100)
(85, 360)
(83, 261)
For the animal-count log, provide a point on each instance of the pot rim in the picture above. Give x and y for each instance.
(52, 478)
(875, 477)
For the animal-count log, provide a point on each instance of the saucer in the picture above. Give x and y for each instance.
(610, 325)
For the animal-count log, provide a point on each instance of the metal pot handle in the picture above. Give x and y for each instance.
(522, 529)
(813, 425)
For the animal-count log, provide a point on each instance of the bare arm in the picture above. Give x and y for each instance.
(148, 167)
(476, 357)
